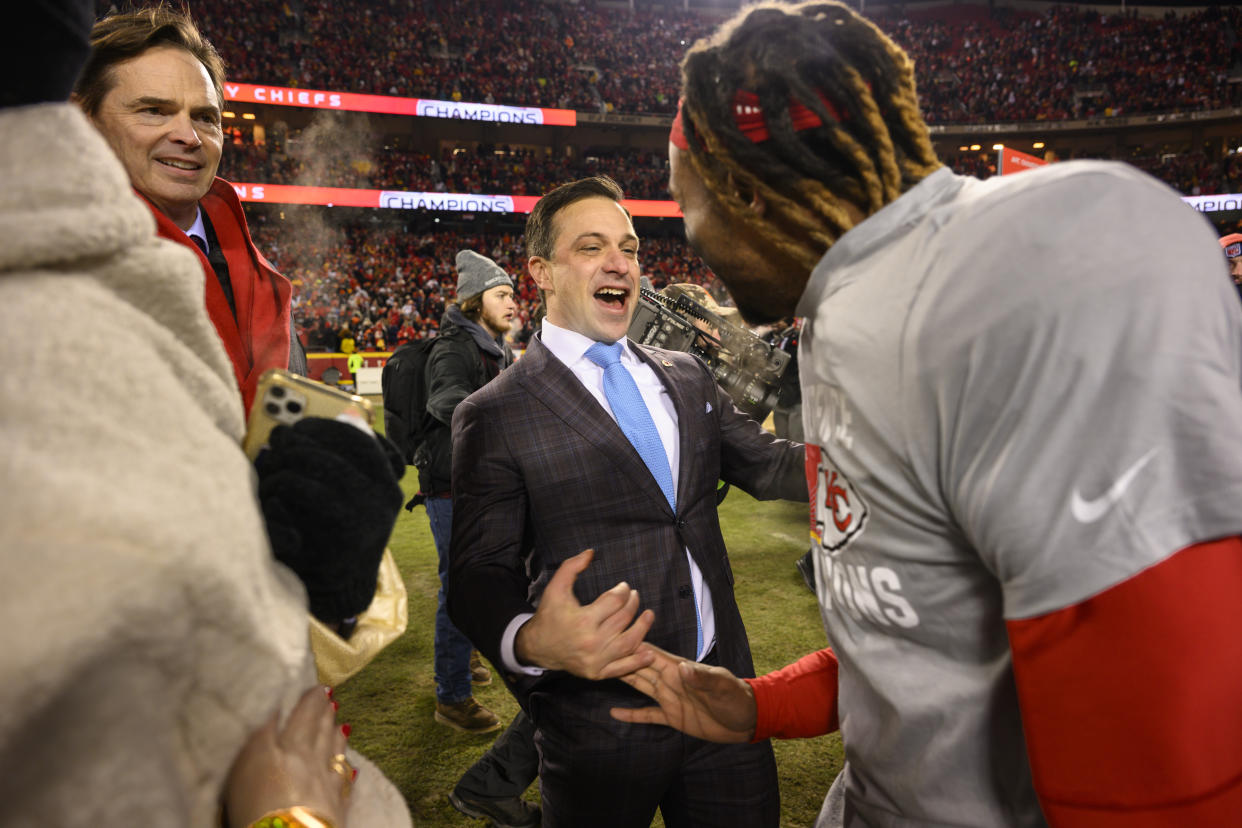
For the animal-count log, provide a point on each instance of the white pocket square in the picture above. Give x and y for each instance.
(709, 409)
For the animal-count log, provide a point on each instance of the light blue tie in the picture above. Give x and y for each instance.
(632, 414)
(635, 420)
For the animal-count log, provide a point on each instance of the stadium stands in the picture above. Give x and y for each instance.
(387, 285)
(974, 65)
(484, 169)
(1189, 173)
(516, 171)
(978, 64)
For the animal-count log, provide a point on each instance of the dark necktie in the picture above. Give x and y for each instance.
(200, 243)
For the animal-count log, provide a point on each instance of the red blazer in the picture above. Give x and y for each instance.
(258, 339)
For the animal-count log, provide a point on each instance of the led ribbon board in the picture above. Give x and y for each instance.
(420, 107)
(407, 200)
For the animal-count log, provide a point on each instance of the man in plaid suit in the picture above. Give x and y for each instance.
(562, 533)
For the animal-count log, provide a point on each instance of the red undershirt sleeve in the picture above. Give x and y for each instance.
(799, 700)
(1132, 700)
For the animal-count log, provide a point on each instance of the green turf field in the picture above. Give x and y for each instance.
(390, 703)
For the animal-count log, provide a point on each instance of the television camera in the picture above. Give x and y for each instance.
(746, 367)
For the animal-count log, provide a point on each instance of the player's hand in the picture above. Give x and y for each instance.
(597, 641)
(705, 702)
(280, 767)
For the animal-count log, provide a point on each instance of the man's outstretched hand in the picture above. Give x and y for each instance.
(705, 702)
(596, 641)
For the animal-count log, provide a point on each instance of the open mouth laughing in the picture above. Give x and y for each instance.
(613, 298)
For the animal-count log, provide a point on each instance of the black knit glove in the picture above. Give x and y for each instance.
(330, 498)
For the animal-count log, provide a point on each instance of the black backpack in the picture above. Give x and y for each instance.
(404, 385)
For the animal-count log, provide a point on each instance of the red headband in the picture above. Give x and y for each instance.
(748, 116)
(678, 134)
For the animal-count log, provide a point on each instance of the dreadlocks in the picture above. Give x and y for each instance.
(870, 145)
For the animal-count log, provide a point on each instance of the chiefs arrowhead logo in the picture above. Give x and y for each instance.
(838, 512)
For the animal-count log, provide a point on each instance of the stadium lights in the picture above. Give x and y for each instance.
(228, 114)
(249, 116)
(1037, 145)
(975, 147)
(998, 146)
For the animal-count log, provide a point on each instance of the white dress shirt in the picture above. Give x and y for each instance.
(570, 348)
(199, 229)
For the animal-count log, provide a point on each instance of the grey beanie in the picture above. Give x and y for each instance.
(476, 274)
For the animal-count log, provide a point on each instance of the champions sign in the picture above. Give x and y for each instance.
(1215, 203)
(422, 107)
(406, 200)
(450, 202)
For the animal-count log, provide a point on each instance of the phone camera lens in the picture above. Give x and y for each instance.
(277, 391)
(293, 407)
(272, 408)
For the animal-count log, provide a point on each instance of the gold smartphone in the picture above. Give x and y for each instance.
(283, 398)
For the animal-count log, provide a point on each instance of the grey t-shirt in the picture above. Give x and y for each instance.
(1017, 394)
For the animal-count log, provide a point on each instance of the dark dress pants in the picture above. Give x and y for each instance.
(508, 767)
(617, 775)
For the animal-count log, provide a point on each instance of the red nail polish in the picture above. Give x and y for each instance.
(355, 776)
(327, 691)
(346, 729)
(336, 705)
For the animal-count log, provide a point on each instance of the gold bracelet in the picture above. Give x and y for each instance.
(295, 817)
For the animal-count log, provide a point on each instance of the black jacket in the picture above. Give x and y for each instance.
(464, 358)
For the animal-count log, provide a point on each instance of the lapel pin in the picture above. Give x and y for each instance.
(666, 363)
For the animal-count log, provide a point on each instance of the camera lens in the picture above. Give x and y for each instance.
(272, 408)
(277, 391)
(293, 407)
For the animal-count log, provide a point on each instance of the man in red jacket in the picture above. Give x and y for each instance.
(154, 88)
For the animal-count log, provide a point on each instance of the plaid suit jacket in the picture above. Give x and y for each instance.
(542, 472)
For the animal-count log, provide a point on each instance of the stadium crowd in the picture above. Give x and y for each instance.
(483, 169)
(1069, 63)
(515, 171)
(974, 65)
(1190, 173)
(1064, 63)
(382, 288)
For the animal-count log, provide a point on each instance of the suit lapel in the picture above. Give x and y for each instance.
(554, 386)
(686, 415)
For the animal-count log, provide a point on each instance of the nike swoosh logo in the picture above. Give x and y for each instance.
(1089, 511)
